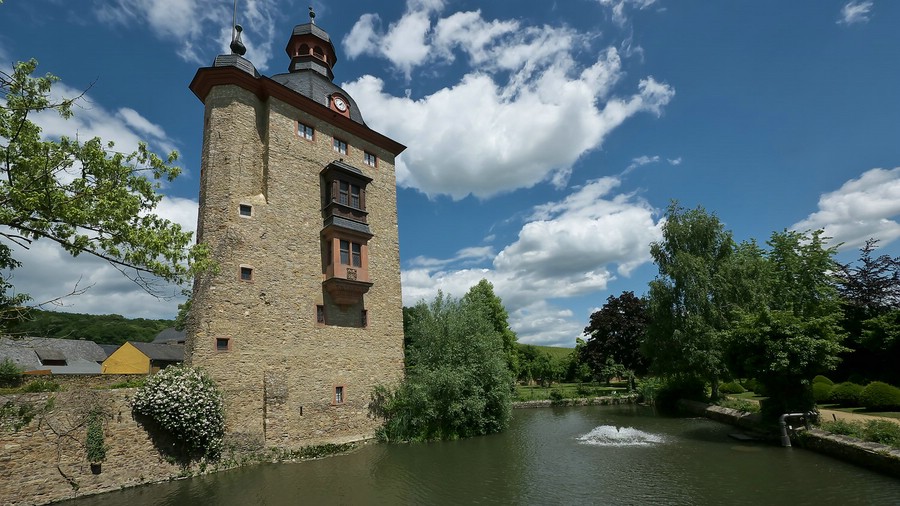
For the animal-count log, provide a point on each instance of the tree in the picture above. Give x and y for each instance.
(457, 380)
(796, 333)
(616, 332)
(870, 292)
(82, 195)
(686, 306)
(482, 296)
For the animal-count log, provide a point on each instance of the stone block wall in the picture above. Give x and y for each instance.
(46, 460)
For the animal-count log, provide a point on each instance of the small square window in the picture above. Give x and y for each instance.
(246, 273)
(305, 131)
(245, 210)
(370, 159)
(340, 146)
(339, 394)
(223, 344)
(320, 314)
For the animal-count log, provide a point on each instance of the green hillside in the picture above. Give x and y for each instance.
(102, 329)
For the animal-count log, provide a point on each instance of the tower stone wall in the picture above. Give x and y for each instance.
(289, 378)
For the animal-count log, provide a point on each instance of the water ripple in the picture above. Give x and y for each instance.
(610, 435)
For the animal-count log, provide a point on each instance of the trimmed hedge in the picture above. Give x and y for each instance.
(821, 391)
(879, 396)
(822, 379)
(732, 387)
(846, 394)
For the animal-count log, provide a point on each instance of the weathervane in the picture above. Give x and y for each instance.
(312, 15)
(237, 47)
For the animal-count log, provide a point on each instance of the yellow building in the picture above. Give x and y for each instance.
(142, 358)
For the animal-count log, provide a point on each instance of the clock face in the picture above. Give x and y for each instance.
(340, 104)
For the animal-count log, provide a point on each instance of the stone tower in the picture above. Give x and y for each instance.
(298, 207)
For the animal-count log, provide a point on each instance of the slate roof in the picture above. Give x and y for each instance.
(109, 349)
(317, 87)
(170, 335)
(162, 352)
(82, 357)
(22, 356)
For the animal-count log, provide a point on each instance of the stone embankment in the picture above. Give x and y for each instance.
(878, 457)
(584, 401)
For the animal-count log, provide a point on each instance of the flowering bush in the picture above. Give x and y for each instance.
(185, 403)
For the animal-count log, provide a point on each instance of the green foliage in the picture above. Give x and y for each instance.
(755, 386)
(879, 396)
(96, 447)
(846, 394)
(739, 404)
(186, 404)
(41, 385)
(482, 297)
(10, 374)
(103, 329)
(822, 379)
(458, 382)
(130, 383)
(14, 416)
(844, 428)
(83, 195)
(541, 364)
(616, 332)
(676, 388)
(882, 431)
(686, 304)
(648, 388)
(731, 387)
(821, 391)
(556, 395)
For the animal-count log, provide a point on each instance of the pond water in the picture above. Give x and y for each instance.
(585, 455)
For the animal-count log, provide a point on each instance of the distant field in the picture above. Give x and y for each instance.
(555, 352)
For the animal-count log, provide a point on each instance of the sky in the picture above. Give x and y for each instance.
(545, 138)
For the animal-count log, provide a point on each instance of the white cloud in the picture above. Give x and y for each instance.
(674, 161)
(861, 208)
(639, 162)
(188, 23)
(618, 8)
(566, 249)
(855, 12)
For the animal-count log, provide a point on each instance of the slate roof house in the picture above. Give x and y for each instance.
(59, 356)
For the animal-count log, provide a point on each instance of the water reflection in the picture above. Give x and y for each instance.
(617, 455)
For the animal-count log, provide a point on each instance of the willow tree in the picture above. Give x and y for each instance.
(687, 314)
(82, 194)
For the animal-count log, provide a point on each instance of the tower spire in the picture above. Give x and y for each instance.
(237, 46)
(312, 15)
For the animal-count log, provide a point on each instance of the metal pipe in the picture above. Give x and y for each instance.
(806, 417)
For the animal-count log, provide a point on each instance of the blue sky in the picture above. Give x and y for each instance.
(545, 138)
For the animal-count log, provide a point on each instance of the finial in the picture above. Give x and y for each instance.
(237, 47)
(312, 15)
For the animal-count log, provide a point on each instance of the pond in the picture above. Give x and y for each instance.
(568, 455)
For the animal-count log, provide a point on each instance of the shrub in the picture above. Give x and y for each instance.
(755, 386)
(129, 383)
(674, 389)
(880, 396)
(882, 431)
(846, 393)
(96, 449)
(821, 391)
(186, 404)
(41, 385)
(647, 389)
(556, 395)
(731, 387)
(822, 379)
(844, 428)
(10, 374)
(740, 405)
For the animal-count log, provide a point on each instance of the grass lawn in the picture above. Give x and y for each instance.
(861, 411)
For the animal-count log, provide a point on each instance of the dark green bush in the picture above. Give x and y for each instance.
(673, 389)
(880, 396)
(844, 428)
(732, 387)
(556, 395)
(755, 386)
(846, 394)
(740, 405)
(821, 391)
(41, 385)
(10, 374)
(822, 379)
(882, 431)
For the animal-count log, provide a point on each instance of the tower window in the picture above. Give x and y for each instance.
(349, 194)
(223, 344)
(339, 394)
(246, 273)
(351, 253)
(370, 159)
(320, 314)
(340, 146)
(245, 210)
(364, 318)
(305, 131)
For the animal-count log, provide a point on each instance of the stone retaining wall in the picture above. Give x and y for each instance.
(878, 457)
(46, 460)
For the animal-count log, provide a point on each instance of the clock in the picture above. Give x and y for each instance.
(340, 104)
